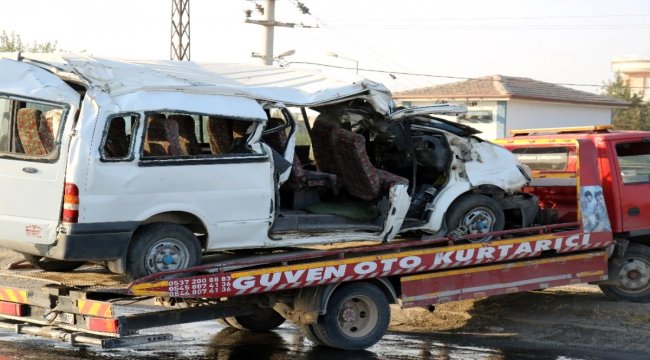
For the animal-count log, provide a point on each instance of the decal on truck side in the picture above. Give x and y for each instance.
(318, 273)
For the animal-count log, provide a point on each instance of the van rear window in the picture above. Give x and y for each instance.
(29, 128)
(543, 158)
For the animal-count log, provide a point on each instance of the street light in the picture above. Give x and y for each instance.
(279, 58)
(356, 62)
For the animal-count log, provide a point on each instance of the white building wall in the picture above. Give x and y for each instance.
(523, 114)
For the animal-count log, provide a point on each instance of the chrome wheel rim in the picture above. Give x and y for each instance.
(479, 220)
(166, 255)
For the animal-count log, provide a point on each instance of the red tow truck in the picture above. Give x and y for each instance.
(340, 296)
(620, 160)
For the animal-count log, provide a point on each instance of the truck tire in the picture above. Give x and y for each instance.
(162, 247)
(356, 317)
(263, 320)
(633, 275)
(48, 264)
(477, 214)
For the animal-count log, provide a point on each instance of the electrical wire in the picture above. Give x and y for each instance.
(438, 76)
(358, 44)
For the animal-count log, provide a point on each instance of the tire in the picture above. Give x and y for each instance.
(356, 317)
(478, 214)
(633, 275)
(48, 264)
(162, 247)
(263, 320)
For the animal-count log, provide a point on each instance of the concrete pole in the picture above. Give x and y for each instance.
(269, 17)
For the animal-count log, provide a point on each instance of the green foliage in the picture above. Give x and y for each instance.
(637, 116)
(12, 42)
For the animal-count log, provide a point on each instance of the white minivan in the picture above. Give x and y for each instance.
(145, 166)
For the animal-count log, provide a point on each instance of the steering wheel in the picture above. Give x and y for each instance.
(278, 128)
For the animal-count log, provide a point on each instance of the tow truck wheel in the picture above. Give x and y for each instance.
(633, 276)
(48, 264)
(356, 317)
(477, 214)
(162, 247)
(263, 320)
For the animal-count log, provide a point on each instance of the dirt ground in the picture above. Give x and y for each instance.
(578, 317)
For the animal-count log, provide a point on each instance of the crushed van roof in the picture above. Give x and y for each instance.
(291, 86)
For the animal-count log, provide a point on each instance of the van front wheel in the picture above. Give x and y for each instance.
(162, 247)
(47, 264)
(476, 214)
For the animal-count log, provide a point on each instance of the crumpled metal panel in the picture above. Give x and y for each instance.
(291, 86)
(25, 80)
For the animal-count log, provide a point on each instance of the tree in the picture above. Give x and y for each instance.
(12, 42)
(637, 116)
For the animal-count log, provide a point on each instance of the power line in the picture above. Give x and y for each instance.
(358, 44)
(439, 76)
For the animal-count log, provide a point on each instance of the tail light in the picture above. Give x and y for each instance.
(70, 203)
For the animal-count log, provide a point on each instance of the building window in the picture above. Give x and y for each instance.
(477, 116)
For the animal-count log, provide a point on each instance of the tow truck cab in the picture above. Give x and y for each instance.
(621, 159)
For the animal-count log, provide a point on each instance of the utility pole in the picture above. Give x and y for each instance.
(180, 37)
(269, 24)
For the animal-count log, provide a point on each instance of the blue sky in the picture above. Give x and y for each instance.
(561, 41)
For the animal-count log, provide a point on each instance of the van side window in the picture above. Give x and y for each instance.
(29, 129)
(634, 161)
(227, 135)
(171, 135)
(118, 137)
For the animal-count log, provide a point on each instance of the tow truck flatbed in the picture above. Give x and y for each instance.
(339, 296)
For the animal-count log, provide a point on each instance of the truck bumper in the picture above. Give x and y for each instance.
(92, 242)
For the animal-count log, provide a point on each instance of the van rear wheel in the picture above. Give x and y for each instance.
(160, 247)
(47, 264)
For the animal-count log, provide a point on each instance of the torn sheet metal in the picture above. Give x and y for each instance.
(493, 165)
(21, 79)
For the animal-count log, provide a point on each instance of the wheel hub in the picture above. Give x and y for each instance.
(349, 315)
(635, 275)
(166, 255)
(479, 220)
(357, 316)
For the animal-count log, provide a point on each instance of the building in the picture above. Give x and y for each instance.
(498, 104)
(636, 74)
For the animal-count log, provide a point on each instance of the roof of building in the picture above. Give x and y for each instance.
(509, 87)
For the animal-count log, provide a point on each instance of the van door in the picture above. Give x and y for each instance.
(36, 112)
(634, 175)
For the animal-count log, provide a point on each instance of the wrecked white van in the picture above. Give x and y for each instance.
(145, 166)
